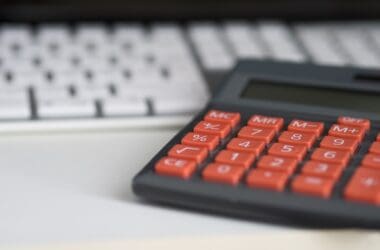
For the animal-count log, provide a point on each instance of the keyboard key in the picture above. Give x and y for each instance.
(355, 42)
(235, 158)
(298, 138)
(176, 105)
(197, 154)
(322, 169)
(375, 148)
(266, 122)
(371, 161)
(244, 40)
(224, 117)
(213, 128)
(65, 108)
(257, 133)
(331, 156)
(312, 185)
(320, 44)
(352, 121)
(210, 47)
(14, 109)
(286, 150)
(364, 186)
(175, 167)
(223, 173)
(347, 131)
(124, 106)
(245, 145)
(275, 163)
(306, 127)
(280, 41)
(346, 144)
(258, 178)
(201, 140)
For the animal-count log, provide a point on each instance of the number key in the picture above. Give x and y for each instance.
(251, 146)
(223, 173)
(287, 150)
(306, 139)
(332, 142)
(257, 133)
(235, 158)
(331, 156)
(275, 163)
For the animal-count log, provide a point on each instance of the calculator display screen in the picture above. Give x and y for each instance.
(310, 95)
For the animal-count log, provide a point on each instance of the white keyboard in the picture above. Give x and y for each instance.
(96, 76)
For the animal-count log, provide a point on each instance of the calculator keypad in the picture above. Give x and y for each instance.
(261, 154)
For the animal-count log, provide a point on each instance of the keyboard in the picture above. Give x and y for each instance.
(98, 75)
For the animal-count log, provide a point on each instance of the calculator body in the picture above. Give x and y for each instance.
(290, 91)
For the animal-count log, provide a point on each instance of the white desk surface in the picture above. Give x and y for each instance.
(76, 187)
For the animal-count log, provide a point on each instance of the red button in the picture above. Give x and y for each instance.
(372, 161)
(266, 122)
(322, 169)
(312, 185)
(235, 158)
(257, 133)
(202, 140)
(364, 186)
(352, 121)
(245, 145)
(331, 156)
(306, 139)
(213, 128)
(287, 150)
(224, 117)
(347, 131)
(275, 163)
(258, 178)
(378, 137)
(223, 173)
(175, 167)
(339, 143)
(306, 127)
(197, 154)
(375, 148)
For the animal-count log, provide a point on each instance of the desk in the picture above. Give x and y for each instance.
(76, 187)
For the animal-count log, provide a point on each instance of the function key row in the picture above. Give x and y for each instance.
(274, 169)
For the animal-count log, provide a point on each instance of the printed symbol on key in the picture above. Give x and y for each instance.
(201, 138)
(211, 126)
(369, 182)
(223, 169)
(321, 168)
(181, 150)
(220, 115)
(175, 162)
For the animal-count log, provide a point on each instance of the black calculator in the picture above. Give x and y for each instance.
(284, 142)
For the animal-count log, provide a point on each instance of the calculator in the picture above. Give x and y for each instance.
(282, 142)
